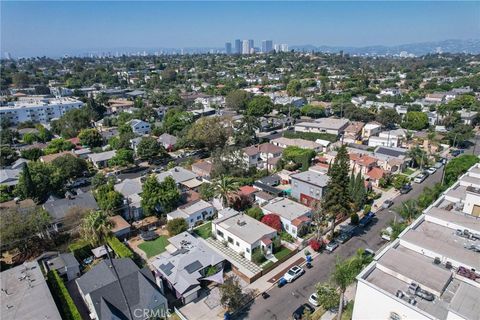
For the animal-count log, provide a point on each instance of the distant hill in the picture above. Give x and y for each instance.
(452, 46)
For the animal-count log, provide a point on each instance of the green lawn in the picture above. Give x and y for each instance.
(204, 231)
(152, 248)
(284, 251)
(408, 171)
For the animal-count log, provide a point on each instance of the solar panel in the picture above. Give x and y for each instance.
(194, 266)
(167, 268)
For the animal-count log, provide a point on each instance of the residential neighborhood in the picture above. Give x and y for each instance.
(251, 182)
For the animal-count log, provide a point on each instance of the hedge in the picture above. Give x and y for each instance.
(62, 298)
(121, 250)
(81, 249)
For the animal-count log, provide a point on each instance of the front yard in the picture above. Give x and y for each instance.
(204, 231)
(282, 253)
(154, 247)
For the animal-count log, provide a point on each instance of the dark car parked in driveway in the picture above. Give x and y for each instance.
(298, 313)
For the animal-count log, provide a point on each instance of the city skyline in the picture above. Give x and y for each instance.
(56, 28)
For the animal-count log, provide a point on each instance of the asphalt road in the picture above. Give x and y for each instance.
(283, 301)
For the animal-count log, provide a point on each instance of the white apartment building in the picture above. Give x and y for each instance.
(432, 270)
(243, 233)
(323, 125)
(41, 110)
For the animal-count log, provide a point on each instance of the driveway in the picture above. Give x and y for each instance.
(283, 301)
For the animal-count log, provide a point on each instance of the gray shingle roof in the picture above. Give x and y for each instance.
(59, 208)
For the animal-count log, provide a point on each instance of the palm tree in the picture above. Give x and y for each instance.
(418, 156)
(343, 275)
(409, 210)
(225, 188)
(96, 229)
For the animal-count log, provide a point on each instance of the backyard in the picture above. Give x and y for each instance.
(154, 247)
(204, 231)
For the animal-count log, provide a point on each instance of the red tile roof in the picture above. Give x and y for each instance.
(247, 190)
(298, 221)
(376, 173)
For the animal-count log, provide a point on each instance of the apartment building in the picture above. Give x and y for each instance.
(431, 270)
(35, 109)
(308, 186)
(323, 125)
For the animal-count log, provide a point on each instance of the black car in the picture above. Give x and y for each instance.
(406, 189)
(344, 237)
(298, 314)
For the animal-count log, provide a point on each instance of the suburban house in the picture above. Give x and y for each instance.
(193, 212)
(26, 295)
(203, 168)
(167, 141)
(323, 125)
(265, 155)
(65, 264)
(243, 233)
(120, 227)
(294, 216)
(371, 129)
(353, 132)
(374, 176)
(131, 190)
(100, 160)
(184, 178)
(375, 141)
(9, 175)
(362, 163)
(139, 127)
(187, 262)
(60, 208)
(308, 187)
(50, 157)
(301, 143)
(102, 293)
(119, 105)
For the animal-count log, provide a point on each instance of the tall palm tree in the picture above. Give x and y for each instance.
(409, 210)
(96, 229)
(343, 275)
(225, 188)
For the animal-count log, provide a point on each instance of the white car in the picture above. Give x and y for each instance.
(331, 246)
(293, 273)
(431, 170)
(420, 178)
(313, 300)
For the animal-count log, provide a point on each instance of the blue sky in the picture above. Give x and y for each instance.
(54, 28)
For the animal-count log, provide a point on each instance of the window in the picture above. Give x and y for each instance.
(238, 244)
(230, 240)
(220, 233)
(287, 227)
(247, 250)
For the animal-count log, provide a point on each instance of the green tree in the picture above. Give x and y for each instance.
(37, 181)
(231, 295)
(70, 124)
(95, 227)
(389, 118)
(176, 226)
(415, 120)
(313, 111)
(255, 212)
(91, 138)
(169, 194)
(176, 120)
(98, 180)
(237, 100)
(343, 275)
(211, 133)
(337, 199)
(123, 157)
(460, 134)
(300, 156)
(150, 148)
(108, 199)
(70, 167)
(399, 180)
(7, 156)
(409, 210)
(293, 87)
(327, 296)
(206, 191)
(359, 193)
(458, 166)
(259, 106)
(31, 154)
(419, 157)
(58, 145)
(151, 194)
(226, 189)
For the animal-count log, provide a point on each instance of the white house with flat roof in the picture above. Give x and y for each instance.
(243, 233)
(431, 270)
(193, 212)
(323, 125)
(292, 214)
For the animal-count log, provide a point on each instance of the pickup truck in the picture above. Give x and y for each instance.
(366, 219)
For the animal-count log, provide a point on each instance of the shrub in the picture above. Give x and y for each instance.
(287, 237)
(315, 245)
(367, 209)
(255, 212)
(277, 244)
(62, 298)
(354, 218)
(81, 249)
(176, 226)
(257, 255)
(272, 220)
(121, 250)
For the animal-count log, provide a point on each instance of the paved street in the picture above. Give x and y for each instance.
(283, 301)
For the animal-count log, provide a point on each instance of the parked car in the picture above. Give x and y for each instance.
(431, 170)
(366, 219)
(438, 165)
(344, 237)
(299, 312)
(313, 299)
(368, 252)
(331, 246)
(293, 273)
(420, 178)
(406, 188)
(387, 204)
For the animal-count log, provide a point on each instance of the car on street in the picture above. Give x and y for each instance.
(300, 311)
(344, 237)
(331, 246)
(406, 189)
(313, 299)
(366, 219)
(368, 252)
(420, 178)
(438, 165)
(456, 153)
(293, 273)
(431, 170)
(387, 204)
